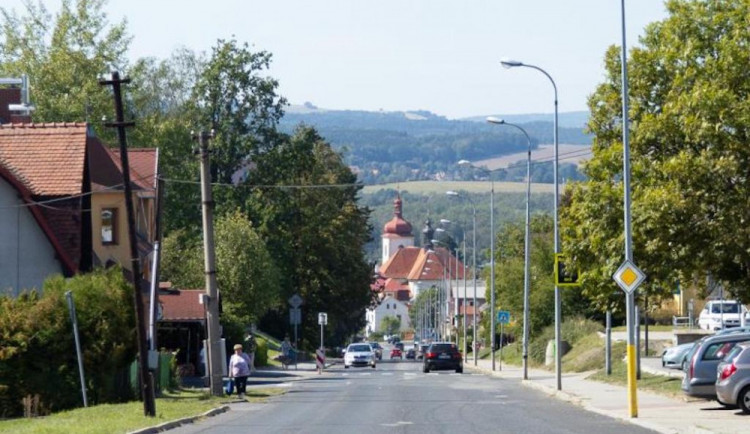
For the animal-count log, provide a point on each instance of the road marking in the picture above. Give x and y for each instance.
(386, 373)
(399, 423)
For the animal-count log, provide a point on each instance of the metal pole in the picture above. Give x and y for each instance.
(463, 320)
(608, 345)
(73, 319)
(146, 386)
(474, 264)
(212, 291)
(630, 297)
(492, 268)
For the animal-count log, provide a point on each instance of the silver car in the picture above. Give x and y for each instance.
(676, 357)
(733, 378)
(703, 359)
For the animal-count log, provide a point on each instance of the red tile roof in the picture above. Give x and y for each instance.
(183, 305)
(400, 264)
(142, 163)
(48, 158)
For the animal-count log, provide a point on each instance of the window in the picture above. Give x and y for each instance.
(109, 225)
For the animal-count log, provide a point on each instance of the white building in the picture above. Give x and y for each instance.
(389, 306)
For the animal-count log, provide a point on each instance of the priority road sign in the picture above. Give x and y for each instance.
(629, 277)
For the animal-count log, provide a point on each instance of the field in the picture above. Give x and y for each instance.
(575, 154)
(429, 187)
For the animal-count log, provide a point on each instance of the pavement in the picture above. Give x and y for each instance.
(655, 412)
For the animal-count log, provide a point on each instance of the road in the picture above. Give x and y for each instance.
(397, 397)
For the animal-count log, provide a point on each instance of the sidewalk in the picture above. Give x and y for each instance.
(656, 412)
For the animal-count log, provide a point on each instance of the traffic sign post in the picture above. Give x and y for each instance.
(295, 302)
(503, 317)
(565, 273)
(322, 320)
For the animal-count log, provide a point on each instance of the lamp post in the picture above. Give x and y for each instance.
(474, 266)
(507, 63)
(527, 247)
(492, 255)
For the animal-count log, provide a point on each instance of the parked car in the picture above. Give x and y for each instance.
(719, 314)
(745, 329)
(704, 358)
(377, 349)
(395, 352)
(359, 355)
(733, 378)
(411, 353)
(442, 355)
(676, 357)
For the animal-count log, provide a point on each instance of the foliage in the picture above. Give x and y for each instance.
(572, 330)
(390, 325)
(38, 356)
(247, 277)
(261, 353)
(689, 112)
(305, 206)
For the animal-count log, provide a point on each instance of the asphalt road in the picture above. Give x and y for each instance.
(397, 397)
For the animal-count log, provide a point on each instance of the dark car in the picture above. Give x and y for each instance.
(443, 355)
(399, 345)
(411, 353)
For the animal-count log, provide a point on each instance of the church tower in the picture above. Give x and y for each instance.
(396, 233)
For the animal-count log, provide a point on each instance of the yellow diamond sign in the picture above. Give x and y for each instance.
(629, 277)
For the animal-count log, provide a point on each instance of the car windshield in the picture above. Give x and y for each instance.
(725, 308)
(359, 349)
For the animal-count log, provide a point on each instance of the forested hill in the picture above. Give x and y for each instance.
(401, 146)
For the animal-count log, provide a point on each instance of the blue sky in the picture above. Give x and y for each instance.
(437, 55)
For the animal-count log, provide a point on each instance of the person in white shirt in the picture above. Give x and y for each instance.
(239, 370)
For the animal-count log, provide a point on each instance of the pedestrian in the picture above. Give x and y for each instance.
(239, 370)
(251, 347)
(286, 352)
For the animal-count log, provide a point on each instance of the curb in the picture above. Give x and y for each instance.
(175, 423)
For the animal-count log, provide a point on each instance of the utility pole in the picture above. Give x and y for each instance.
(211, 299)
(144, 378)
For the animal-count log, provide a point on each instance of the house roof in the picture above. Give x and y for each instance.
(142, 163)
(400, 263)
(47, 157)
(182, 305)
(106, 167)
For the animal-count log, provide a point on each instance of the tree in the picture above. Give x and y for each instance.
(390, 325)
(304, 200)
(64, 57)
(689, 112)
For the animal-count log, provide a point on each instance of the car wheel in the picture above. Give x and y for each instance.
(373, 366)
(346, 367)
(425, 369)
(460, 370)
(743, 400)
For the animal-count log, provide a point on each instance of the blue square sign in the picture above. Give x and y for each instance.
(503, 316)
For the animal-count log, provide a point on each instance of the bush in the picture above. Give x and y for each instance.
(572, 330)
(261, 352)
(376, 336)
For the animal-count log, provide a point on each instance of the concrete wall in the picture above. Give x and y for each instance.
(27, 257)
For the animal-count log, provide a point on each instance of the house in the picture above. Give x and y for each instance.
(388, 307)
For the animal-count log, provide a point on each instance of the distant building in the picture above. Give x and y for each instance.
(388, 307)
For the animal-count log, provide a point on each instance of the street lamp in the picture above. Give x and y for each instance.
(508, 63)
(474, 265)
(492, 255)
(527, 247)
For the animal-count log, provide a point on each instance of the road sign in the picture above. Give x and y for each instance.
(295, 316)
(503, 316)
(629, 277)
(295, 301)
(565, 274)
(322, 318)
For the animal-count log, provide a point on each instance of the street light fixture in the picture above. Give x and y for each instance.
(467, 163)
(474, 265)
(527, 247)
(508, 63)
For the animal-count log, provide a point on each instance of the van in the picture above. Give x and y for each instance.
(719, 314)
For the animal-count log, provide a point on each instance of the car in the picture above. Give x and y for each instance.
(733, 378)
(719, 314)
(422, 349)
(443, 355)
(745, 329)
(703, 360)
(410, 354)
(395, 352)
(394, 339)
(399, 345)
(676, 357)
(377, 349)
(359, 355)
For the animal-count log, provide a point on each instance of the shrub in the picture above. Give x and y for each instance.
(261, 352)
(572, 330)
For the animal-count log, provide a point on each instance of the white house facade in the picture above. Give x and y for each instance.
(389, 306)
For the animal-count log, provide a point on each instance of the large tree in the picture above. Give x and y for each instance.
(690, 154)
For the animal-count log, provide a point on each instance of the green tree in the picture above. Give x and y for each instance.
(390, 325)
(64, 57)
(305, 203)
(689, 111)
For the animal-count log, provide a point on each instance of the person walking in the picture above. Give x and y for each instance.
(239, 370)
(286, 352)
(251, 347)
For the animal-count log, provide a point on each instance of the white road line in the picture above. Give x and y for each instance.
(386, 373)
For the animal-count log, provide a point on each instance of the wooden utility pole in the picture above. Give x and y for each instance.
(215, 364)
(144, 381)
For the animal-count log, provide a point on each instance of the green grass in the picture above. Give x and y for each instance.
(661, 384)
(431, 187)
(121, 418)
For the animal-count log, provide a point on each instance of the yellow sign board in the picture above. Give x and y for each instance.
(565, 273)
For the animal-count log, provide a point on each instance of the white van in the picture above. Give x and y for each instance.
(719, 314)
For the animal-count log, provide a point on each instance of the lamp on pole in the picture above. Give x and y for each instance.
(507, 63)
(492, 255)
(474, 266)
(527, 247)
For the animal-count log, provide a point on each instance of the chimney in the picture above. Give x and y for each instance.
(14, 101)
(8, 96)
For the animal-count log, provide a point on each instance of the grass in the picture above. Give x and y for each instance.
(121, 418)
(431, 187)
(661, 384)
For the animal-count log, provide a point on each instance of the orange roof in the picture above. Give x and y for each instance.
(142, 163)
(182, 305)
(48, 157)
(400, 264)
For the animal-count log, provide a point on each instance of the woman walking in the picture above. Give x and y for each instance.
(239, 370)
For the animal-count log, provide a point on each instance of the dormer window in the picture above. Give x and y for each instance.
(109, 226)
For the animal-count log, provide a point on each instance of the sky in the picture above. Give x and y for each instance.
(402, 55)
